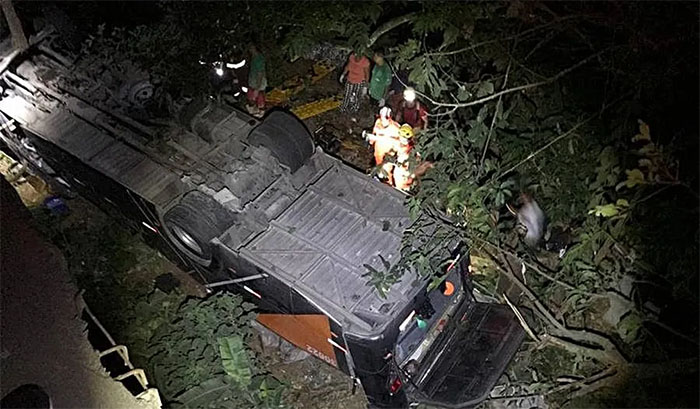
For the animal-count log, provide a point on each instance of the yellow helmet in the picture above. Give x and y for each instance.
(406, 131)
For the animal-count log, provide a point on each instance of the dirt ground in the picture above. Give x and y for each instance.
(43, 338)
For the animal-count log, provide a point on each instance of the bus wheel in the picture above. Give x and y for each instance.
(194, 222)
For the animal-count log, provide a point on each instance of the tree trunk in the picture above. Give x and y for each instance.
(19, 40)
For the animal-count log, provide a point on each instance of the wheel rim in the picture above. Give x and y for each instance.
(186, 239)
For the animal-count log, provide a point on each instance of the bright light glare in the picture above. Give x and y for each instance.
(236, 65)
(219, 71)
(244, 89)
(409, 94)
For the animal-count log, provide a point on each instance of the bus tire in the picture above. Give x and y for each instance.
(194, 222)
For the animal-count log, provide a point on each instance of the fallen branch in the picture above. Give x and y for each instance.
(586, 343)
(538, 270)
(577, 384)
(523, 323)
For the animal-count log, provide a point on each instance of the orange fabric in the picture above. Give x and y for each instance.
(356, 69)
(309, 332)
(403, 179)
(401, 176)
(402, 150)
(384, 140)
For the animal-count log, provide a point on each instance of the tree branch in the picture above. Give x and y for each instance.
(493, 122)
(558, 138)
(606, 373)
(487, 42)
(388, 26)
(520, 87)
(538, 270)
(521, 319)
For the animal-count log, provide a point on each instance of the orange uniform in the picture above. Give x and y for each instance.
(384, 139)
(402, 178)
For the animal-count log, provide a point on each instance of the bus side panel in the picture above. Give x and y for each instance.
(110, 196)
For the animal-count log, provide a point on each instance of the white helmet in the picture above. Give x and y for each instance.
(385, 112)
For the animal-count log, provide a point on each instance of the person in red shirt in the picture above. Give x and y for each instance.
(357, 73)
(411, 111)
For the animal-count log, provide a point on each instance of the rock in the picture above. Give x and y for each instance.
(626, 285)
(291, 353)
(619, 306)
(268, 338)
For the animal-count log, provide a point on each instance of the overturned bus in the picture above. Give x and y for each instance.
(253, 206)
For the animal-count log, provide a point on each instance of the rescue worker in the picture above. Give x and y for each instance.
(384, 135)
(402, 178)
(381, 79)
(412, 112)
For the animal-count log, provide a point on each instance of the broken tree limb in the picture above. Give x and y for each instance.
(521, 319)
(578, 384)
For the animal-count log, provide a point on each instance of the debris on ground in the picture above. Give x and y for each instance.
(32, 190)
(312, 384)
(316, 107)
(282, 94)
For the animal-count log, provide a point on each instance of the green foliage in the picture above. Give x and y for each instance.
(595, 182)
(193, 350)
(185, 351)
(234, 359)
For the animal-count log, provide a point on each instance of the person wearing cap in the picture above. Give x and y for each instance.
(384, 135)
(411, 111)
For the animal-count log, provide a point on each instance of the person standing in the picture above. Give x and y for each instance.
(384, 136)
(381, 79)
(411, 111)
(257, 80)
(401, 175)
(357, 73)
